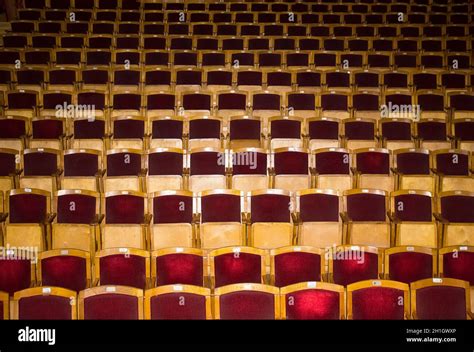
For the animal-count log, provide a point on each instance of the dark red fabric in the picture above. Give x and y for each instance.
(319, 207)
(366, 207)
(244, 129)
(172, 209)
(49, 129)
(167, 129)
(312, 304)
(458, 208)
(413, 207)
(334, 102)
(291, 163)
(64, 271)
(124, 209)
(12, 128)
(123, 270)
(413, 163)
(129, 129)
(266, 101)
(332, 163)
(179, 268)
(409, 267)
(15, 275)
(323, 129)
(270, 208)
(85, 129)
(235, 268)
(220, 208)
(232, 101)
(286, 129)
(373, 163)
(28, 208)
(459, 265)
(81, 164)
(1, 311)
(441, 302)
(301, 101)
(244, 163)
(45, 308)
(76, 209)
(359, 130)
(378, 303)
(247, 305)
(352, 268)
(207, 163)
(295, 267)
(445, 164)
(165, 163)
(111, 306)
(178, 306)
(204, 128)
(40, 164)
(7, 164)
(117, 165)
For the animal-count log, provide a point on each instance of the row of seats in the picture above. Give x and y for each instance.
(222, 6)
(343, 265)
(149, 80)
(242, 131)
(426, 299)
(264, 219)
(152, 41)
(339, 104)
(246, 169)
(351, 28)
(128, 13)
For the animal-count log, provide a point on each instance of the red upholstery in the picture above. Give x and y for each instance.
(348, 271)
(247, 305)
(15, 275)
(178, 306)
(459, 265)
(111, 306)
(44, 308)
(441, 302)
(233, 269)
(408, 267)
(64, 271)
(378, 303)
(295, 267)
(312, 304)
(179, 268)
(123, 270)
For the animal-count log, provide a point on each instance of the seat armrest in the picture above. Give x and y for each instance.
(100, 173)
(3, 217)
(344, 217)
(50, 218)
(440, 218)
(147, 219)
(98, 219)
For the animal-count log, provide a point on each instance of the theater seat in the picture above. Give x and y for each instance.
(44, 303)
(440, 299)
(110, 303)
(178, 302)
(246, 301)
(378, 300)
(313, 301)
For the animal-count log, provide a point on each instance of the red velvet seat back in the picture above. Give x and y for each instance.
(45, 308)
(378, 303)
(111, 306)
(179, 268)
(247, 305)
(64, 271)
(123, 270)
(295, 267)
(313, 304)
(233, 268)
(178, 306)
